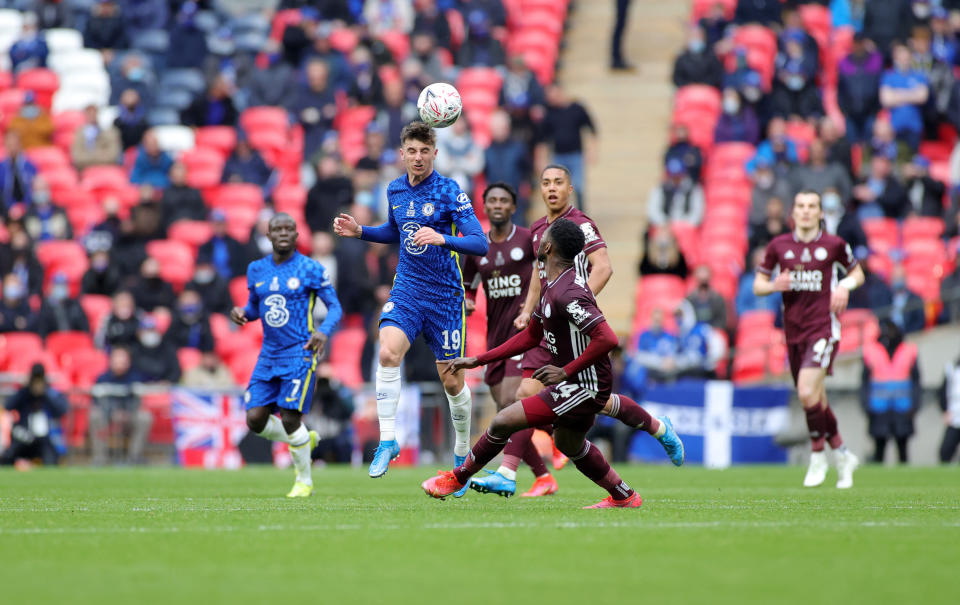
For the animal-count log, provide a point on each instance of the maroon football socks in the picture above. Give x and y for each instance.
(486, 448)
(632, 414)
(817, 426)
(595, 467)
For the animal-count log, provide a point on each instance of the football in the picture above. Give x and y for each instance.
(439, 105)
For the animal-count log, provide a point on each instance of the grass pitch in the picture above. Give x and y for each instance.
(745, 535)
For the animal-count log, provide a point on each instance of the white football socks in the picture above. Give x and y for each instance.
(507, 473)
(274, 430)
(300, 452)
(388, 397)
(461, 409)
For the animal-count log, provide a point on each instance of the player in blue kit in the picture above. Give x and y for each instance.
(283, 289)
(426, 212)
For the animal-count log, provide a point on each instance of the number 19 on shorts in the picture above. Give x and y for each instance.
(451, 340)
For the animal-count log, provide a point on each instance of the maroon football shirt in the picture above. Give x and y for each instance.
(505, 273)
(568, 312)
(814, 268)
(592, 241)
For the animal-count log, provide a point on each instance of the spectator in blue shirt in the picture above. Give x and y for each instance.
(907, 309)
(31, 49)
(777, 149)
(246, 165)
(215, 108)
(904, 91)
(144, 15)
(693, 343)
(944, 42)
(858, 88)
(188, 43)
(654, 356)
(314, 106)
(748, 301)
(737, 121)
(795, 94)
(133, 71)
(16, 174)
(152, 166)
(225, 253)
(105, 28)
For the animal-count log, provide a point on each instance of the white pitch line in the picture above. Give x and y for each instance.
(28, 531)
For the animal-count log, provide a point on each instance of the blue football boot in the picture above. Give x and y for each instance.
(386, 451)
(671, 441)
(494, 483)
(457, 461)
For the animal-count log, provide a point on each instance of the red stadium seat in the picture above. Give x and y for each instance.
(281, 20)
(48, 157)
(702, 8)
(229, 344)
(346, 348)
(60, 343)
(857, 326)
(233, 195)
(344, 40)
(240, 221)
(287, 197)
(816, 20)
(96, 307)
(202, 157)
(84, 218)
(63, 256)
(221, 138)
(84, 366)
(545, 20)
(192, 233)
(750, 365)
(104, 177)
(220, 325)
(43, 82)
(188, 358)
(241, 365)
(60, 179)
(10, 103)
(264, 139)
(398, 43)
(922, 227)
(484, 78)
(697, 96)
(882, 234)
(6, 80)
(15, 345)
(176, 261)
(940, 170)
(478, 99)
(239, 291)
(264, 118)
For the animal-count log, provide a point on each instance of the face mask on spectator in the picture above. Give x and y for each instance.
(696, 46)
(731, 105)
(765, 180)
(41, 198)
(190, 310)
(921, 10)
(751, 94)
(830, 201)
(30, 111)
(59, 292)
(795, 82)
(13, 291)
(136, 74)
(204, 276)
(898, 285)
(100, 265)
(150, 338)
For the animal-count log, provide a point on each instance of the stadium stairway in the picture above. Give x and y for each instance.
(632, 114)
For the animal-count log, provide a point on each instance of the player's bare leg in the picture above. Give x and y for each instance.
(393, 346)
(461, 412)
(287, 428)
(822, 424)
(589, 461)
(507, 421)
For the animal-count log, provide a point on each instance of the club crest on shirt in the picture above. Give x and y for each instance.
(388, 306)
(576, 312)
(546, 310)
(820, 253)
(293, 283)
(274, 284)
(805, 256)
(516, 254)
(589, 233)
(427, 209)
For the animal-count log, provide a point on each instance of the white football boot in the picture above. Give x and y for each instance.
(847, 462)
(817, 471)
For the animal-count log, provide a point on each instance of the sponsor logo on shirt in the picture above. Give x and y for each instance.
(408, 245)
(503, 286)
(789, 255)
(576, 312)
(589, 234)
(806, 281)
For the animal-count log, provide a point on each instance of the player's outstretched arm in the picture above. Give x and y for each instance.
(764, 286)
(347, 226)
(533, 295)
(460, 363)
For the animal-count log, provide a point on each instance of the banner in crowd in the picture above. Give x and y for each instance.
(208, 427)
(720, 424)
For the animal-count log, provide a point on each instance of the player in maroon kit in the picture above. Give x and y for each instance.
(505, 273)
(577, 378)
(813, 295)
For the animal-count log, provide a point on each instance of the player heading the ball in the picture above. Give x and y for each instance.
(426, 210)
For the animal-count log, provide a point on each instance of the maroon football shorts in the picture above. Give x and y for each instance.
(817, 352)
(566, 405)
(498, 370)
(534, 359)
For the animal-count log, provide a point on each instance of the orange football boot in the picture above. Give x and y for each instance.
(543, 486)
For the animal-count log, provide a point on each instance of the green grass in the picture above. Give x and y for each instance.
(745, 535)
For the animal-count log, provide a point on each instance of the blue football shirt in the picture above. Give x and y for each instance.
(283, 297)
(439, 203)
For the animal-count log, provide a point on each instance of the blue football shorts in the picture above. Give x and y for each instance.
(285, 383)
(441, 320)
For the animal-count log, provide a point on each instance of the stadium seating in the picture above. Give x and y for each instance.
(192, 233)
(96, 307)
(176, 260)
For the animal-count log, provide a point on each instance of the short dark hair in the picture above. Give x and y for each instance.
(567, 237)
(281, 216)
(418, 131)
(558, 167)
(500, 185)
(809, 191)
